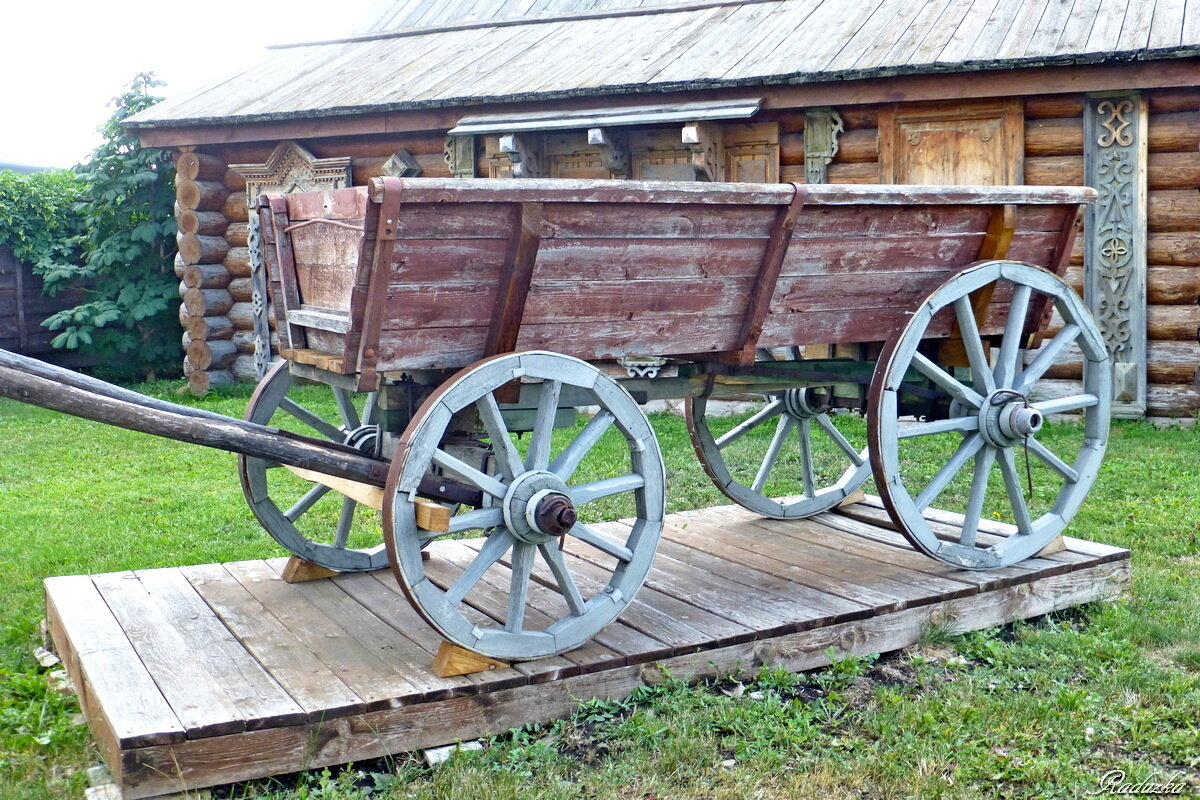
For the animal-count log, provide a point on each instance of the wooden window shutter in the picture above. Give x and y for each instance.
(979, 143)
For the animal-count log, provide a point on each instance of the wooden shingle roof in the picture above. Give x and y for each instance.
(483, 51)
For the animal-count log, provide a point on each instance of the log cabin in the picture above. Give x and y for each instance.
(1040, 92)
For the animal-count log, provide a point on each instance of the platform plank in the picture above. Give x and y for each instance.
(274, 677)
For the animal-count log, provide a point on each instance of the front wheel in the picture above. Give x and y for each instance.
(1011, 485)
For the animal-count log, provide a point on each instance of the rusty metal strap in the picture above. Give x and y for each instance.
(761, 293)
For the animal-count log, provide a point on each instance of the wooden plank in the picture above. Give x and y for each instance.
(154, 770)
(314, 687)
(125, 707)
(1166, 30)
(516, 273)
(259, 698)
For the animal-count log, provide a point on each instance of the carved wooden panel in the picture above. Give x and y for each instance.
(752, 152)
(1114, 251)
(971, 143)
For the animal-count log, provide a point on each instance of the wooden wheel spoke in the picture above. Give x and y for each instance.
(843, 444)
(952, 386)
(482, 518)
(741, 429)
(493, 549)
(562, 576)
(345, 522)
(370, 415)
(1016, 493)
(345, 405)
(506, 452)
(585, 493)
(1052, 461)
(1074, 402)
(806, 459)
(768, 463)
(979, 481)
(306, 502)
(585, 534)
(1048, 355)
(538, 456)
(313, 421)
(468, 473)
(981, 371)
(1014, 332)
(962, 424)
(966, 450)
(518, 593)
(572, 456)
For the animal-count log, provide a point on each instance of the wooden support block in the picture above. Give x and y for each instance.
(1057, 545)
(454, 660)
(432, 516)
(365, 493)
(857, 496)
(297, 570)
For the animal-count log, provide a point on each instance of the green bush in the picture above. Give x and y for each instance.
(39, 220)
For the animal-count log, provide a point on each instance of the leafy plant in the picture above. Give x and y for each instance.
(128, 247)
(39, 220)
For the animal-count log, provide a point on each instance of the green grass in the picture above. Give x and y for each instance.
(1039, 709)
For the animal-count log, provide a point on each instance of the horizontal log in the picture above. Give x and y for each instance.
(1167, 100)
(1053, 105)
(1054, 171)
(180, 265)
(207, 302)
(1054, 137)
(237, 234)
(858, 146)
(201, 382)
(1177, 400)
(234, 207)
(234, 181)
(1174, 323)
(201, 249)
(242, 316)
(204, 223)
(1172, 362)
(195, 166)
(1173, 210)
(855, 117)
(245, 342)
(1173, 285)
(206, 276)
(792, 174)
(791, 149)
(237, 261)
(184, 316)
(1178, 132)
(201, 195)
(241, 289)
(433, 165)
(215, 355)
(862, 172)
(209, 329)
(1174, 170)
(244, 369)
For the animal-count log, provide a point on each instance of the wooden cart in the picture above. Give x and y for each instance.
(489, 345)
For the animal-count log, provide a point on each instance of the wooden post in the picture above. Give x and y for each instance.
(1115, 147)
(822, 126)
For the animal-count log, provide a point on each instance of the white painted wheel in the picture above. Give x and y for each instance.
(993, 443)
(534, 505)
(309, 519)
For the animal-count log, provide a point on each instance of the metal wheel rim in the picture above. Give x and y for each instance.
(419, 447)
(907, 506)
(267, 399)
(814, 498)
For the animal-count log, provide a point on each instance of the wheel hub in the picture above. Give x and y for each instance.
(804, 403)
(1007, 419)
(364, 438)
(537, 507)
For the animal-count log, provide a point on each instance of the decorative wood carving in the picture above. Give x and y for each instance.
(460, 155)
(525, 153)
(401, 164)
(708, 149)
(822, 126)
(1114, 252)
(960, 143)
(290, 168)
(614, 150)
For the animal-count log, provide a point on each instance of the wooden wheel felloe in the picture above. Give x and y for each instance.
(537, 506)
(309, 519)
(741, 464)
(993, 442)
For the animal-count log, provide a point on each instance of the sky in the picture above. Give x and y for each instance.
(62, 61)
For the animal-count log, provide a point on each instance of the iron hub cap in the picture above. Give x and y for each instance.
(1006, 418)
(803, 404)
(537, 507)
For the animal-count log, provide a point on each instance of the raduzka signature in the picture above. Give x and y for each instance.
(1114, 782)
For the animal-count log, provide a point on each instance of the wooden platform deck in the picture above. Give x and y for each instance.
(197, 676)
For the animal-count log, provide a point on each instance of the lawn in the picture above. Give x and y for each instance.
(1039, 709)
